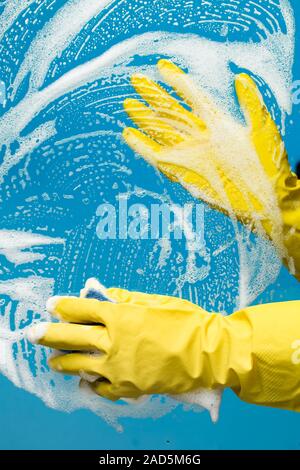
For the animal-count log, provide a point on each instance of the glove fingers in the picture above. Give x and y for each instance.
(137, 298)
(78, 310)
(146, 147)
(120, 295)
(104, 389)
(188, 90)
(140, 143)
(77, 364)
(154, 154)
(239, 201)
(173, 165)
(163, 103)
(214, 187)
(225, 197)
(188, 179)
(71, 337)
(251, 101)
(126, 296)
(148, 121)
(266, 136)
(236, 197)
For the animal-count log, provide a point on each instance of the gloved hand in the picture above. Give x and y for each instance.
(147, 344)
(240, 170)
(205, 398)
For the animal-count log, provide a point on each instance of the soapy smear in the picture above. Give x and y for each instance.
(15, 245)
(62, 155)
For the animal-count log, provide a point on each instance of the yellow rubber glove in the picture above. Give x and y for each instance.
(239, 170)
(205, 398)
(148, 344)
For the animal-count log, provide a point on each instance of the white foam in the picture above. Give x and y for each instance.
(207, 399)
(27, 144)
(15, 245)
(11, 12)
(27, 295)
(211, 70)
(51, 305)
(36, 332)
(56, 35)
(208, 62)
(93, 284)
(88, 377)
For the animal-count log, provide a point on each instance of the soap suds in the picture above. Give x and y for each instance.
(67, 127)
(35, 333)
(15, 246)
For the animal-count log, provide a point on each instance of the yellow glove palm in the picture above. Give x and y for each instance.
(147, 344)
(239, 170)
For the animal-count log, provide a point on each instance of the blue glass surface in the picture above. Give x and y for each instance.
(40, 206)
